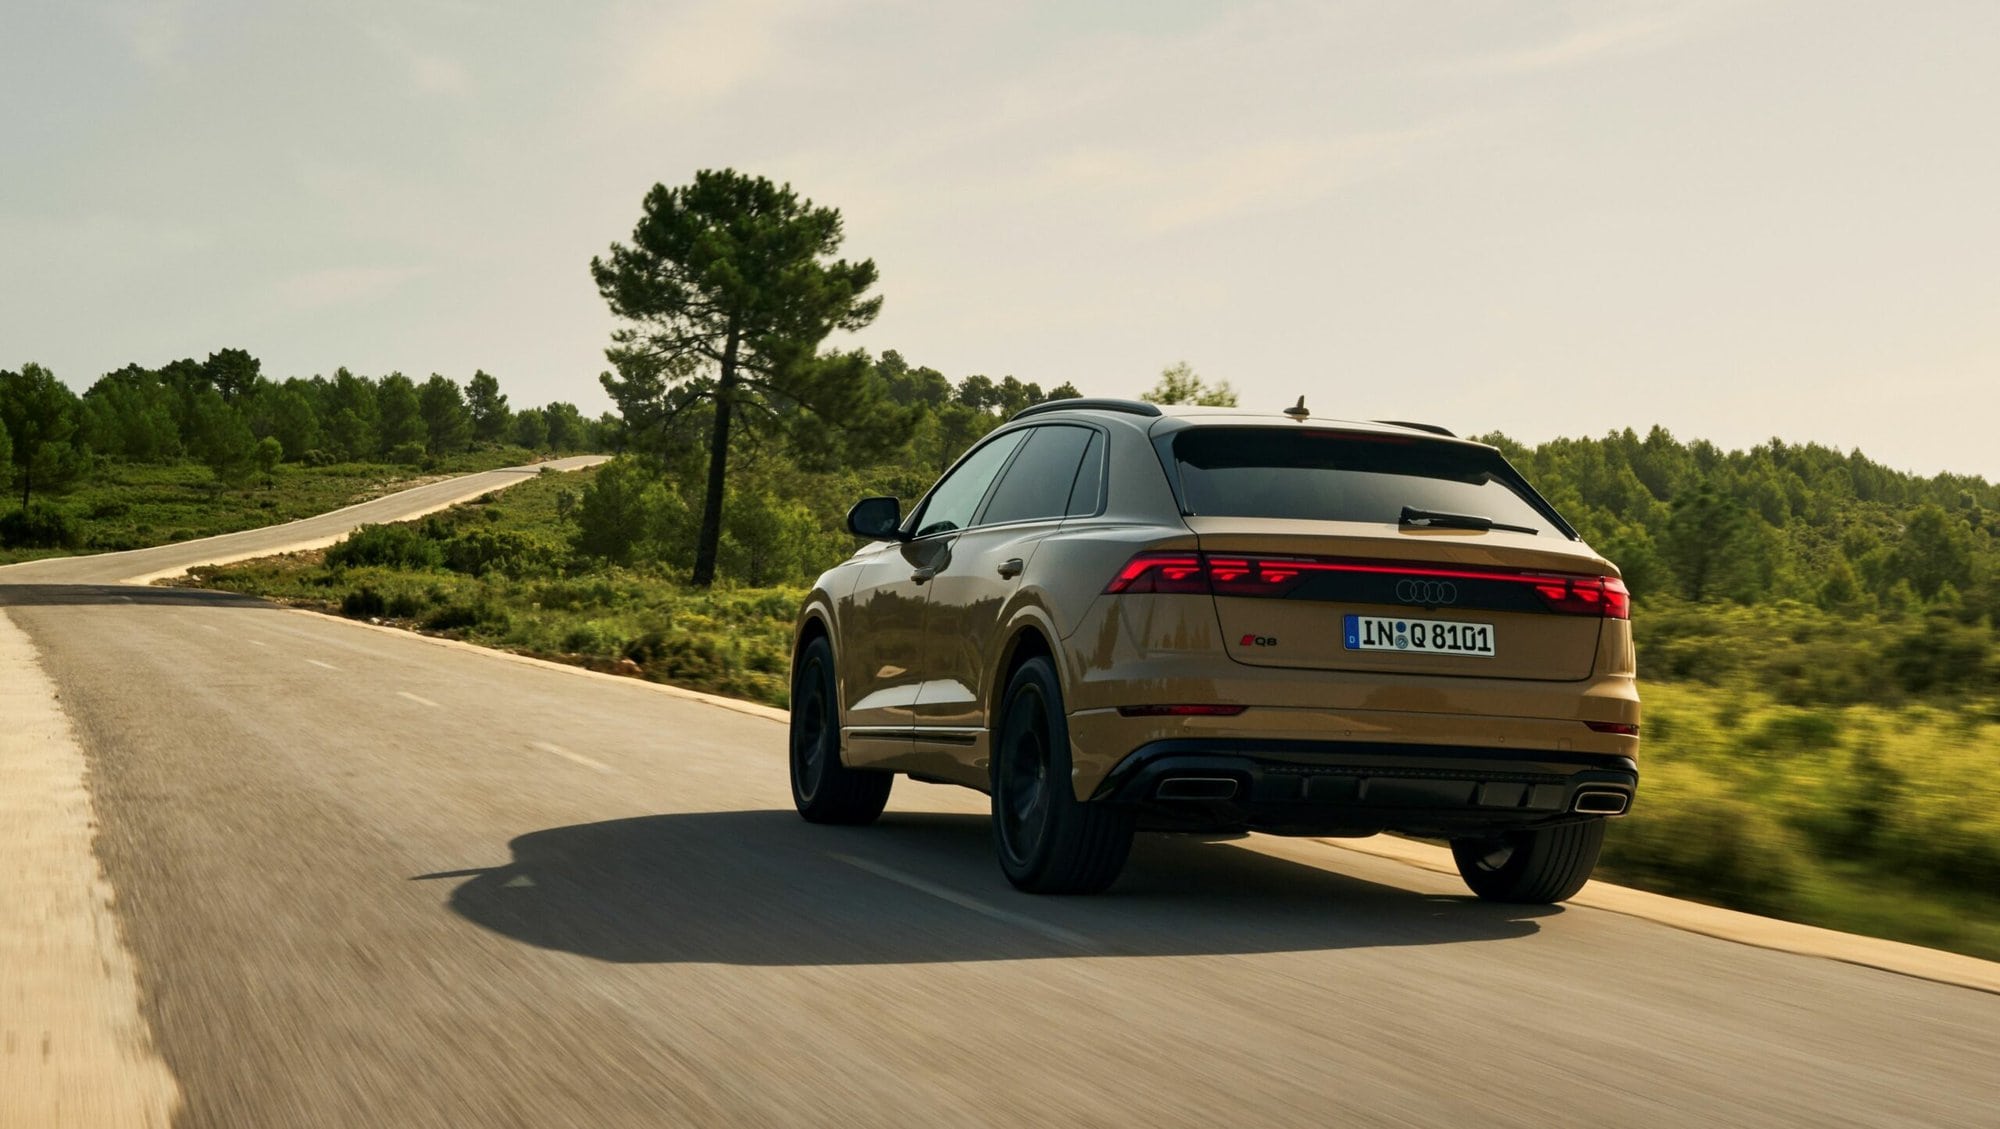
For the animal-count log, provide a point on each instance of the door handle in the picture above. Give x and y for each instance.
(923, 574)
(1009, 569)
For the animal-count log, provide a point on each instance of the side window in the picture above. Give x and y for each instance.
(954, 500)
(1039, 480)
(1083, 497)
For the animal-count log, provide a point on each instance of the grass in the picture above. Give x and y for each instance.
(510, 589)
(135, 506)
(1881, 819)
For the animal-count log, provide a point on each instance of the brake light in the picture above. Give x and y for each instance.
(1622, 728)
(1604, 596)
(1162, 572)
(1200, 574)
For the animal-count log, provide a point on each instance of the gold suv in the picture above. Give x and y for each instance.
(1114, 617)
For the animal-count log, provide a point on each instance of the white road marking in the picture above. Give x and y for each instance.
(419, 700)
(565, 754)
(328, 666)
(74, 1046)
(212, 627)
(257, 643)
(965, 901)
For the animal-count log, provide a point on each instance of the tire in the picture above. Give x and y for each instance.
(1533, 867)
(823, 789)
(1049, 842)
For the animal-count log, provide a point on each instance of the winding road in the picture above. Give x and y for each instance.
(330, 874)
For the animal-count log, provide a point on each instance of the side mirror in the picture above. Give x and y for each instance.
(877, 519)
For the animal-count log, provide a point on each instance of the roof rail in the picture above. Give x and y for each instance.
(1091, 403)
(1434, 429)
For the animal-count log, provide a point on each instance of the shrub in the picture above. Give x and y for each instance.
(391, 546)
(40, 526)
(408, 454)
(1690, 836)
(626, 515)
(362, 603)
(318, 457)
(479, 551)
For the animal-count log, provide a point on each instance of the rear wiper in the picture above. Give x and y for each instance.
(1437, 519)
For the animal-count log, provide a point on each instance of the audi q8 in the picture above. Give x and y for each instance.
(1115, 617)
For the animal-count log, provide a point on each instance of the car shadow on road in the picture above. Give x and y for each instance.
(765, 888)
(76, 595)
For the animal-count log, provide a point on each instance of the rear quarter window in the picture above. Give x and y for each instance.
(1321, 475)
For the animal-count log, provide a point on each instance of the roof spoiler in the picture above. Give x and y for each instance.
(1091, 404)
(1434, 429)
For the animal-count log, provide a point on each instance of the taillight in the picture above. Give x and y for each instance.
(1199, 574)
(1622, 728)
(1604, 596)
(1162, 572)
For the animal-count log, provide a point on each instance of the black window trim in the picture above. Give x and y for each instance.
(978, 516)
(910, 524)
(1103, 477)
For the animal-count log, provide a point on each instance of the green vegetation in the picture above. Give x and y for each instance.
(195, 448)
(134, 505)
(727, 290)
(504, 571)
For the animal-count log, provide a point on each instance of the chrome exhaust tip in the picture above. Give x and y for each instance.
(1599, 802)
(1196, 788)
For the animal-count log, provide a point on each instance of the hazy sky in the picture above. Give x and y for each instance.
(1736, 219)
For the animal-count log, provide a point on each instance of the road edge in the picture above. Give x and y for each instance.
(529, 471)
(75, 1047)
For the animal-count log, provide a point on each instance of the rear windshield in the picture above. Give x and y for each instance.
(1322, 475)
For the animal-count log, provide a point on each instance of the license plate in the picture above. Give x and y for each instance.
(1431, 636)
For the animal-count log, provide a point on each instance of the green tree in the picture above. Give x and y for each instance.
(402, 414)
(1179, 384)
(488, 407)
(728, 288)
(1936, 551)
(354, 417)
(447, 427)
(6, 456)
(626, 515)
(221, 439)
(270, 453)
(232, 372)
(1713, 545)
(531, 428)
(40, 415)
(131, 414)
(567, 429)
(293, 423)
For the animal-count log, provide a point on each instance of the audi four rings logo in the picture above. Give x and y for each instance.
(1429, 592)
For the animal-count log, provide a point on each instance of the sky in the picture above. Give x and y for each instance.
(1739, 220)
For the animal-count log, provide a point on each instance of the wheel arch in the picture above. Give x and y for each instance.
(1030, 634)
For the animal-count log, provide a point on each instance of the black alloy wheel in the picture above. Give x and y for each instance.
(823, 789)
(1049, 842)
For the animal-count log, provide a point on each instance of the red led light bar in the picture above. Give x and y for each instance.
(1228, 575)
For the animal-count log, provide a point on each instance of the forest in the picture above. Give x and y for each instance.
(191, 447)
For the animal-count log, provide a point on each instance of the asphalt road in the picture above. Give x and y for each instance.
(371, 880)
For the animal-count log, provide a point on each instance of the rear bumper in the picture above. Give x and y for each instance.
(1359, 788)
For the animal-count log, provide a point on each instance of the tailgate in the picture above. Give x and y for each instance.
(1350, 596)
